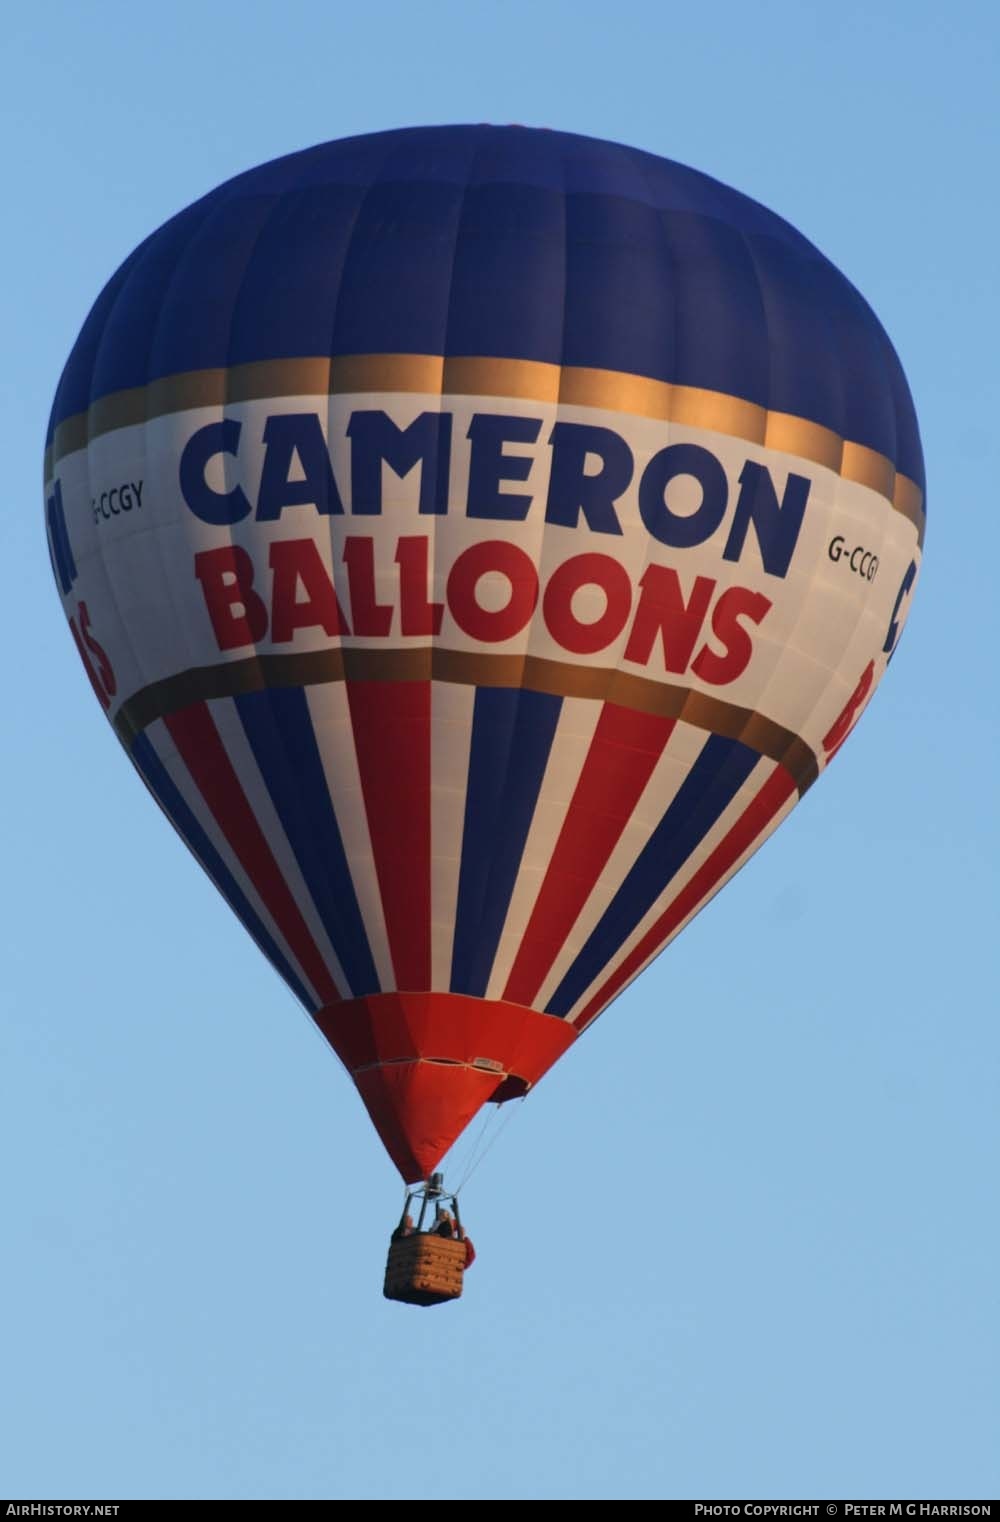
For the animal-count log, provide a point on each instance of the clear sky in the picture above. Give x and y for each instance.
(743, 1240)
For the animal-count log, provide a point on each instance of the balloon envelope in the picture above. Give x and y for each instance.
(479, 538)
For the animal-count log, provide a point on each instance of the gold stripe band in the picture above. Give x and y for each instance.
(523, 379)
(431, 663)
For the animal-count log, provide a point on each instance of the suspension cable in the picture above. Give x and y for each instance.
(498, 1131)
(468, 1146)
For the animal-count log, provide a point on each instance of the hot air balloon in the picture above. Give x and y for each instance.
(479, 538)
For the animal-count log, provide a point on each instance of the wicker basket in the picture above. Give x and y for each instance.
(424, 1269)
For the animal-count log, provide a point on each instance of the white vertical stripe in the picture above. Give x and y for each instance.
(330, 713)
(162, 742)
(451, 739)
(570, 747)
(227, 721)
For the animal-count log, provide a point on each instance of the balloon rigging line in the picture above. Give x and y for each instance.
(497, 1133)
(467, 1147)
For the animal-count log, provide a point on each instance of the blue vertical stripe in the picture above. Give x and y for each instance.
(512, 733)
(62, 550)
(279, 727)
(184, 822)
(710, 786)
(55, 549)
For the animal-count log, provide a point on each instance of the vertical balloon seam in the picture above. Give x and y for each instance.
(98, 556)
(389, 869)
(547, 714)
(286, 802)
(369, 973)
(438, 569)
(166, 319)
(548, 717)
(485, 780)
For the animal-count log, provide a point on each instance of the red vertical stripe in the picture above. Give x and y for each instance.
(203, 753)
(758, 814)
(625, 749)
(392, 737)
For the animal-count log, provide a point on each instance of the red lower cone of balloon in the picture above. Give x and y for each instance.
(425, 1063)
(420, 1108)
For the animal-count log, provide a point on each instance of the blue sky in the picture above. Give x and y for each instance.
(742, 1242)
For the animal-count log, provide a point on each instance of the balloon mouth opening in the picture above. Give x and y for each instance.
(510, 1086)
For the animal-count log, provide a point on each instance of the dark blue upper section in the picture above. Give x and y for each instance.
(501, 241)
